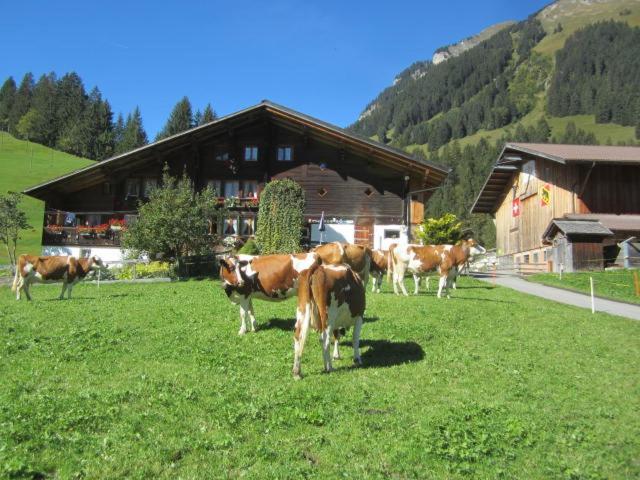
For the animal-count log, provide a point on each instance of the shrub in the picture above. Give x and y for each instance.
(147, 270)
(250, 248)
(439, 231)
(280, 217)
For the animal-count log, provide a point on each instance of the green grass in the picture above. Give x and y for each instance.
(151, 381)
(616, 285)
(24, 164)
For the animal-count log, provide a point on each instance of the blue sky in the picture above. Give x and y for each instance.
(325, 58)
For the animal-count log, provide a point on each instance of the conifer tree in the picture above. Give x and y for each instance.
(21, 103)
(134, 135)
(45, 129)
(181, 119)
(7, 96)
(118, 133)
(208, 115)
(71, 100)
(97, 127)
(197, 118)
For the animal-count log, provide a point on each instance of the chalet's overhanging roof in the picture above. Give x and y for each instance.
(514, 154)
(436, 173)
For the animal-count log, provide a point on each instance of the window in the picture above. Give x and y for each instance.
(231, 188)
(251, 153)
(527, 178)
(106, 188)
(216, 185)
(222, 156)
(247, 226)
(545, 255)
(535, 258)
(149, 184)
(132, 187)
(526, 258)
(285, 154)
(250, 189)
(230, 226)
(391, 233)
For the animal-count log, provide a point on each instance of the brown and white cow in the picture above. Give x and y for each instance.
(420, 260)
(358, 257)
(330, 297)
(268, 277)
(49, 269)
(461, 253)
(378, 268)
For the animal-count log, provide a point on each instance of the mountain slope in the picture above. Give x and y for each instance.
(23, 164)
(561, 60)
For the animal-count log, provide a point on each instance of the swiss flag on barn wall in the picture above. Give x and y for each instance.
(515, 207)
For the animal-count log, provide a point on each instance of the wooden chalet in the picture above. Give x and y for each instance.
(562, 206)
(370, 193)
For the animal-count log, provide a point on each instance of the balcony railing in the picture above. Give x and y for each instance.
(80, 236)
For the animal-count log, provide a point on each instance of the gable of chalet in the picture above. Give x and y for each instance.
(423, 174)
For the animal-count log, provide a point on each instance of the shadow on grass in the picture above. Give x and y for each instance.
(479, 299)
(288, 324)
(384, 353)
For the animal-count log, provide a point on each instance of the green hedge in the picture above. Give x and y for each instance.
(280, 217)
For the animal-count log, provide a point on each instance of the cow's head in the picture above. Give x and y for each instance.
(474, 247)
(232, 271)
(96, 263)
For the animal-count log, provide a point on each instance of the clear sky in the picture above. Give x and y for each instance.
(324, 58)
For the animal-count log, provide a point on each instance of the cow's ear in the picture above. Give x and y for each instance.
(223, 263)
(243, 263)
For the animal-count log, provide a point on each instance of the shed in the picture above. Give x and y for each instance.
(577, 244)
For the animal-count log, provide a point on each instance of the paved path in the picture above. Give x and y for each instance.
(565, 296)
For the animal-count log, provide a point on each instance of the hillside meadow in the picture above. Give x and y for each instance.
(152, 381)
(25, 164)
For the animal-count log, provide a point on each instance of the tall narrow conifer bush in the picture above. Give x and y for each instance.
(280, 217)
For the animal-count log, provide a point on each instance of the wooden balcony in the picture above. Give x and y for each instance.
(81, 236)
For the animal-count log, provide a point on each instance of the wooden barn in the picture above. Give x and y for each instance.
(562, 206)
(370, 193)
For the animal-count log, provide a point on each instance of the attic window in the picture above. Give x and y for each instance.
(368, 192)
(322, 191)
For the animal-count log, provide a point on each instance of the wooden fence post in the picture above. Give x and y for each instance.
(636, 283)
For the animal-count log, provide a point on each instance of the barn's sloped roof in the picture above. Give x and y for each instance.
(575, 228)
(514, 154)
(624, 223)
(284, 115)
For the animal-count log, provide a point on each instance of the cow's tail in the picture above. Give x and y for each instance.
(16, 277)
(319, 313)
(390, 261)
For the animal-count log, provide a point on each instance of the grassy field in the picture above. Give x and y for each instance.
(24, 164)
(616, 285)
(151, 381)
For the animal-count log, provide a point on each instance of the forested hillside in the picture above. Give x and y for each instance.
(568, 74)
(59, 113)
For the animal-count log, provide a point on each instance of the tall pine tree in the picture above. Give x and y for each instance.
(45, 129)
(181, 119)
(7, 96)
(21, 103)
(209, 115)
(133, 135)
(70, 104)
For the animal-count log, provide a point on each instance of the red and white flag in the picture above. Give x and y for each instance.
(515, 207)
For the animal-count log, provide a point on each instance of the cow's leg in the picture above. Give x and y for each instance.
(243, 316)
(19, 287)
(426, 281)
(300, 337)
(69, 288)
(442, 284)
(64, 288)
(325, 338)
(254, 324)
(416, 281)
(356, 341)
(336, 345)
(401, 283)
(25, 286)
(374, 281)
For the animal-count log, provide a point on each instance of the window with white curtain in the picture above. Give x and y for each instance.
(231, 188)
(250, 189)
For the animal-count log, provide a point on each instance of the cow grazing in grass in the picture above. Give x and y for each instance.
(378, 268)
(267, 277)
(68, 270)
(358, 257)
(330, 297)
(420, 260)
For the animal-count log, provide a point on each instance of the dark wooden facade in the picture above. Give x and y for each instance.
(346, 177)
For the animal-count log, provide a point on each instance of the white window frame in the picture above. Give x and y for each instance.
(251, 153)
(228, 184)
